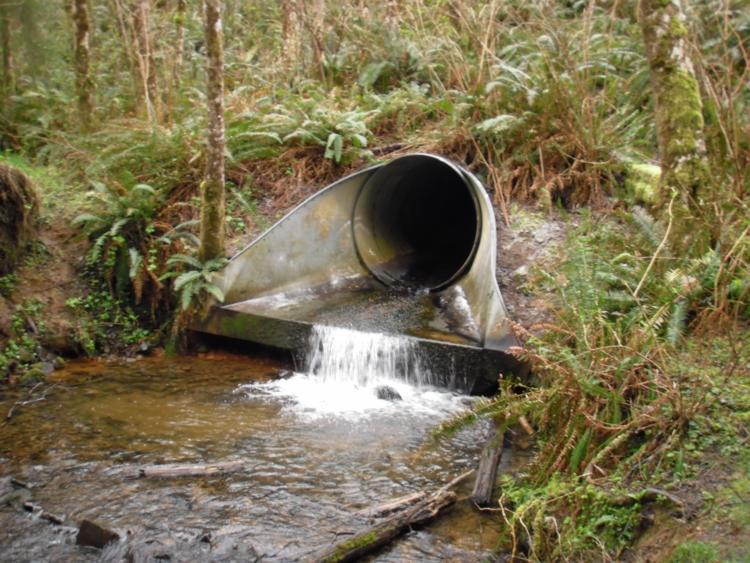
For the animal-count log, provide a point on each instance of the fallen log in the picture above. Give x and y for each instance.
(29, 506)
(194, 470)
(393, 505)
(484, 485)
(407, 512)
(387, 530)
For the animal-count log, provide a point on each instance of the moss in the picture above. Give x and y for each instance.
(355, 543)
(676, 28)
(695, 552)
(642, 182)
(684, 113)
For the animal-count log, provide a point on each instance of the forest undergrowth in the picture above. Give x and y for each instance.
(642, 378)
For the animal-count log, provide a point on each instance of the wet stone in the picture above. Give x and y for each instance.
(387, 393)
(15, 498)
(93, 535)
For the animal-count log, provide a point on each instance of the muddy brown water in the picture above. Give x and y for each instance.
(305, 478)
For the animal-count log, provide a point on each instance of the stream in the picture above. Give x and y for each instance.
(316, 451)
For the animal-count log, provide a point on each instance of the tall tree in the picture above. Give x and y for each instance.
(127, 35)
(180, 14)
(7, 76)
(315, 13)
(290, 31)
(212, 204)
(678, 106)
(146, 62)
(82, 56)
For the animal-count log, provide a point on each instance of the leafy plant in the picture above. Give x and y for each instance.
(130, 243)
(104, 324)
(194, 279)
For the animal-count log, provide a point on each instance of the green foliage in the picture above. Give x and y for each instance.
(695, 552)
(566, 518)
(21, 351)
(104, 324)
(7, 284)
(122, 229)
(193, 278)
(625, 394)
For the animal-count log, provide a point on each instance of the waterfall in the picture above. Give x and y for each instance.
(344, 356)
(344, 370)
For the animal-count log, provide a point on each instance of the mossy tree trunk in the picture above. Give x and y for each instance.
(678, 108)
(82, 56)
(212, 205)
(7, 68)
(180, 13)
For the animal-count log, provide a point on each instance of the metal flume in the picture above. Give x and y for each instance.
(404, 248)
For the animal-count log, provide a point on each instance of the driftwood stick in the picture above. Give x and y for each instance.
(484, 485)
(29, 506)
(404, 502)
(30, 399)
(406, 513)
(195, 470)
(394, 505)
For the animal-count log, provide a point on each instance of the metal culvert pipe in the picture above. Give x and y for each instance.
(417, 223)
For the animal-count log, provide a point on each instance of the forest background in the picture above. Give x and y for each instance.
(631, 118)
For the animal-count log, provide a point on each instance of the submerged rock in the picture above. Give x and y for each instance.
(387, 393)
(93, 535)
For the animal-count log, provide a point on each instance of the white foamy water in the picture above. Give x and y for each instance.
(344, 369)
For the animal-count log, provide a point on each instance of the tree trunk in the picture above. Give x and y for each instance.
(290, 30)
(82, 56)
(179, 49)
(678, 108)
(7, 68)
(127, 35)
(146, 63)
(195, 470)
(212, 206)
(315, 13)
(484, 485)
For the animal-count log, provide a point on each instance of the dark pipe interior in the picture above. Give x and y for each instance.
(416, 223)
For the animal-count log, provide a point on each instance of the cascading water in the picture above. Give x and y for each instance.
(368, 360)
(345, 369)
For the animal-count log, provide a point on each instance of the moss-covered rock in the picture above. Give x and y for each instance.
(19, 210)
(642, 182)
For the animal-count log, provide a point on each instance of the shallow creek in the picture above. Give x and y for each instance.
(310, 468)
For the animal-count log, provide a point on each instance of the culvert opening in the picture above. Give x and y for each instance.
(417, 223)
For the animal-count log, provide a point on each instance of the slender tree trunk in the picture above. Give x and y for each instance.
(7, 68)
(290, 31)
(212, 206)
(179, 49)
(125, 29)
(315, 13)
(146, 63)
(82, 55)
(678, 108)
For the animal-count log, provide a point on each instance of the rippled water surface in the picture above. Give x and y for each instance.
(308, 472)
